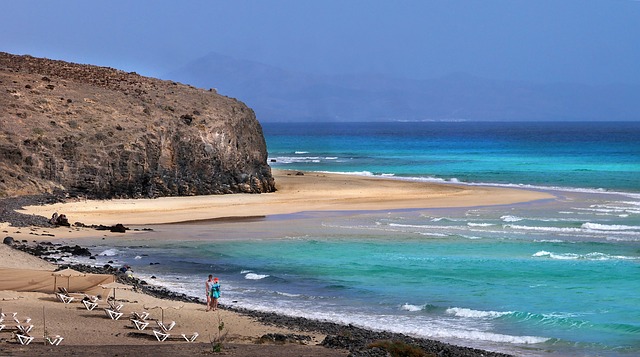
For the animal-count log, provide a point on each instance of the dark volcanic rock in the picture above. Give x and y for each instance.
(118, 228)
(98, 132)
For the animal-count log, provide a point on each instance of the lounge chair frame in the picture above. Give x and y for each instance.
(191, 338)
(114, 315)
(24, 339)
(161, 336)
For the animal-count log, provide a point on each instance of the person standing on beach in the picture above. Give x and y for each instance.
(215, 293)
(207, 285)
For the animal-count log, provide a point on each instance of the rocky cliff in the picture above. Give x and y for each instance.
(103, 133)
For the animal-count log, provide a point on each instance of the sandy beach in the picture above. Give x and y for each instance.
(296, 193)
(94, 332)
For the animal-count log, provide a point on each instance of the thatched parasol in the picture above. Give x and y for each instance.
(68, 272)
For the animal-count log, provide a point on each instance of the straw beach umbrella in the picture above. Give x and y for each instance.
(69, 273)
(164, 306)
(115, 285)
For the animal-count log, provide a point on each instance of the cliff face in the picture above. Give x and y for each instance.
(104, 133)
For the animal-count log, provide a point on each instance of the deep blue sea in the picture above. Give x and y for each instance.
(554, 277)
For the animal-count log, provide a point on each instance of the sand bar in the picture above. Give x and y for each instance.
(296, 193)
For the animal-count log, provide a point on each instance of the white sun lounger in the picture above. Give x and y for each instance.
(90, 305)
(114, 305)
(25, 329)
(24, 339)
(55, 341)
(65, 298)
(114, 315)
(139, 324)
(165, 327)
(161, 336)
(191, 338)
(140, 315)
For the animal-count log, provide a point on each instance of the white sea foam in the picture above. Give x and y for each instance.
(464, 312)
(544, 229)
(138, 257)
(609, 227)
(287, 294)
(254, 276)
(301, 159)
(511, 218)
(433, 234)
(588, 256)
(471, 224)
(409, 325)
(585, 229)
(301, 152)
(109, 252)
(413, 308)
(470, 237)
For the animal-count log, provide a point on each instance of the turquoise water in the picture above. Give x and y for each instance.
(590, 155)
(548, 278)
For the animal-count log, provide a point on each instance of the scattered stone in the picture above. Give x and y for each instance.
(279, 338)
(8, 240)
(118, 228)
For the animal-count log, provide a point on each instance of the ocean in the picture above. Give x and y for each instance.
(554, 277)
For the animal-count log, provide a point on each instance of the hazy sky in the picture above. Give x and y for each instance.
(582, 41)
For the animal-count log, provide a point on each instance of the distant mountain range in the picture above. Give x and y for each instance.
(278, 95)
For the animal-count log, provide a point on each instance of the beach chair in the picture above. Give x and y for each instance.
(114, 305)
(55, 341)
(24, 339)
(25, 321)
(90, 305)
(65, 298)
(3, 315)
(139, 315)
(139, 324)
(114, 315)
(24, 329)
(160, 335)
(165, 327)
(191, 338)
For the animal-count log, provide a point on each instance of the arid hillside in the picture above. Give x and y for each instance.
(103, 133)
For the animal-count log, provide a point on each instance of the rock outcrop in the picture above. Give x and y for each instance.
(99, 132)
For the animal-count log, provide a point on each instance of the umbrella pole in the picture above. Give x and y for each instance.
(55, 278)
(44, 323)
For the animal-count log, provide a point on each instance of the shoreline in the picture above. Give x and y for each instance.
(296, 336)
(297, 193)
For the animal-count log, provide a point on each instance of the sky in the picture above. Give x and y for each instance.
(590, 42)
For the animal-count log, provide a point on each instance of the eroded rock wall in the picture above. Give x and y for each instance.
(103, 133)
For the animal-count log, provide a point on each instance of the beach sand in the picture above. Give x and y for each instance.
(296, 193)
(91, 332)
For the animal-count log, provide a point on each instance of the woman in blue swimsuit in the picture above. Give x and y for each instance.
(215, 293)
